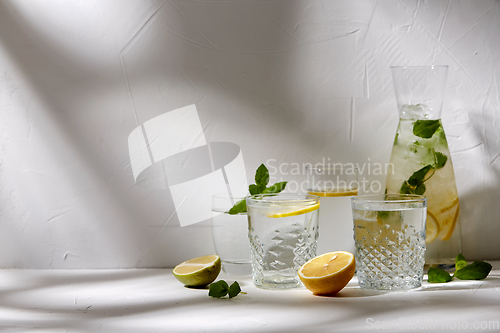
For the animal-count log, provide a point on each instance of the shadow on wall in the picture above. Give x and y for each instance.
(254, 61)
(170, 63)
(49, 69)
(236, 58)
(218, 56)
(479, 206)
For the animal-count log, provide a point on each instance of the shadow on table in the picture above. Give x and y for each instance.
(81, 299)
(353, 289)
(356, 292)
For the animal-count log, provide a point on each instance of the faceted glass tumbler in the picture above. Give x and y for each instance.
(389, 233)
(283, 231)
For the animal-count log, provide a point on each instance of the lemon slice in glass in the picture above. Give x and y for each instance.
(431, 228)
(345, 193)
(293, 211)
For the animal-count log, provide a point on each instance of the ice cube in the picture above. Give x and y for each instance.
(418, 111)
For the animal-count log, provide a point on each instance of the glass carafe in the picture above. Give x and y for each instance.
(421, 158)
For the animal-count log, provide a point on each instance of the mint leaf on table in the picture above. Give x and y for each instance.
(239, 207)
(262, 176)
(218, 289)
(425, 128)
(234, 289)
(478, 270)
(437, 275)
(460, 262)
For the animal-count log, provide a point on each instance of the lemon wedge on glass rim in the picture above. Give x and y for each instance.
(293, 211)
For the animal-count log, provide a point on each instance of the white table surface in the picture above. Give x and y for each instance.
(152, 300)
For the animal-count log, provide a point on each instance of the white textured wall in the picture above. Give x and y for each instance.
(295, 81)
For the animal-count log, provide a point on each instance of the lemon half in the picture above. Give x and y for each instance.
(199, 271)
(328, 273)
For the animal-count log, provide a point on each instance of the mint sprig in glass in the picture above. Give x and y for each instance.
(260, 187)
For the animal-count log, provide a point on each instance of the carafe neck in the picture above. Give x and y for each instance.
(419, 90)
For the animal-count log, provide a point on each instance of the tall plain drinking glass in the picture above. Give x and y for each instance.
(389, 232)
(283, 230)
(230, 236)
(335, 184)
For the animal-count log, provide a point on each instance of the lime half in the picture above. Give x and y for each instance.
(199, 271)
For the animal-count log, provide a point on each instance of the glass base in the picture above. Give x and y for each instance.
(239, 268)
(277, 281)
(391, 285)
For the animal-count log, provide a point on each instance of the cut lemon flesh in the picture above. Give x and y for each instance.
(451, 226)
(293, 211)
(431, 228)
(199, 271)
(445, 218)
(328, 273)
(348, 193)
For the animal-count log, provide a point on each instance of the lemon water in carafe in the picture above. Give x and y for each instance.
(421, 159)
